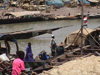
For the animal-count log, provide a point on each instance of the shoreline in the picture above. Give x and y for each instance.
(61, 11)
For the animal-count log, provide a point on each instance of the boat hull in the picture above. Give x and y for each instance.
(9, 21)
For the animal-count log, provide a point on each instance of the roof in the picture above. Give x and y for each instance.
(23, 13)
(77, 36)
(84, 31)
(8, 37)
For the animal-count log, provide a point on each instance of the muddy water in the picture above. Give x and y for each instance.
(41, 42)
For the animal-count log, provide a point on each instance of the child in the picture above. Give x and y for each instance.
(18, 64)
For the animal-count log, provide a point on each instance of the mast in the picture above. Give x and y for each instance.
(82, 28)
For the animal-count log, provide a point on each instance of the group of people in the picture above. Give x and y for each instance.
(18, 64)
(56, 50)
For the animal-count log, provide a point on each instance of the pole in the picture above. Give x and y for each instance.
(82, 28)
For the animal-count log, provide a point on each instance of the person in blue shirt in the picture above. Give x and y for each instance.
(53, 45)
(43, 55)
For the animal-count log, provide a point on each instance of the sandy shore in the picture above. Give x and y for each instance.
(80, 66)
(62, 11)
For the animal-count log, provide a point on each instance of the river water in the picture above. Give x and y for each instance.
(41, 42)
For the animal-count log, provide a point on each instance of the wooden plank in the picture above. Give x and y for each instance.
(78, 49)
(93, 49)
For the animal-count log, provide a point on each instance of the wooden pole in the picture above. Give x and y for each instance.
(82, 28)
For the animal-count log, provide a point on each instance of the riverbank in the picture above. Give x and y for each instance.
(73, 11)
(61, 11)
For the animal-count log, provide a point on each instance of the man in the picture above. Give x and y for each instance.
(29, 54)
(53, 45)
(60, 49)
(18, 64)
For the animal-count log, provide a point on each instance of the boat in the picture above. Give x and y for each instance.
(22, 16)
(64, 17)
(7, 38)
(25, 34)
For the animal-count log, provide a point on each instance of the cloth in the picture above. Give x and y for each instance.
(18, 66)
(29, 54)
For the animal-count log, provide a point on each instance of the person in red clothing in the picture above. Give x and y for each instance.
(18, 64)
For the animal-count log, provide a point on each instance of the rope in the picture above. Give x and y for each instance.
(92, 37)
(75, 37)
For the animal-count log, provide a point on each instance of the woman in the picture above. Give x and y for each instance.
(29, 54)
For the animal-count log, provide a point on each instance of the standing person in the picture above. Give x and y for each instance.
(29, 54)
(18, 64)
(53, 45)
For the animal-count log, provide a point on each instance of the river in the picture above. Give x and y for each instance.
(41, 42)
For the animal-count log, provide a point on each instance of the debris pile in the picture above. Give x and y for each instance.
(5, 67)
(80, 66)
(5, 64)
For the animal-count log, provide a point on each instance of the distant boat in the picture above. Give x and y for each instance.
(19, 17)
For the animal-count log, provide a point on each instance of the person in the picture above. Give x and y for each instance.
(60, 49)
(18, 64)
(29, 54)
(43, 55)
(53, 45)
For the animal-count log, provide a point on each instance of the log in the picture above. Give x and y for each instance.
(97, 53)
(78, 49)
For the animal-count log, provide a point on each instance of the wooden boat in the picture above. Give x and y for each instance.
(90, 15)
(63, 17)
(19, 17)
(37, 66)
(91, 46)
(6, 38)
(90, 37)
(25, 34)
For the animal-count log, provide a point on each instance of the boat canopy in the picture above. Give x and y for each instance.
(94, 0)
(8, 37)
(23, 13)
(75, 37)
